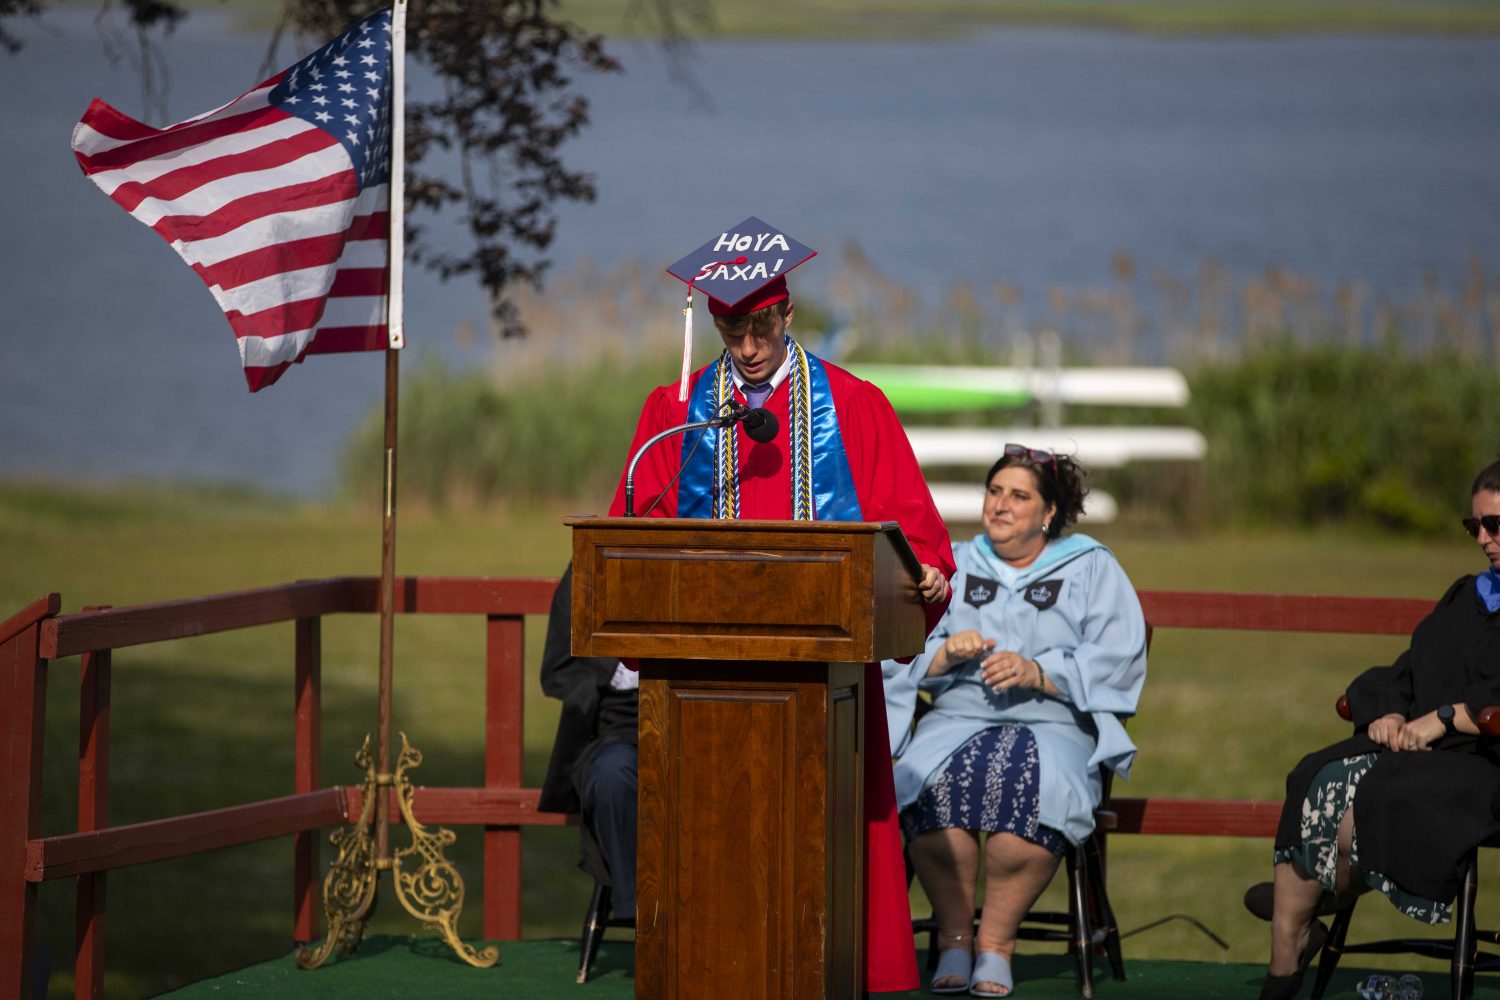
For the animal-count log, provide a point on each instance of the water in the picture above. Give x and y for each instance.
(1021, 156)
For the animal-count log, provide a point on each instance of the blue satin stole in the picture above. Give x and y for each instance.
(834, 498)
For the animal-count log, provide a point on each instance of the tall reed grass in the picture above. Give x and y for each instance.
(464, 440)
(1319, 406)
(1325, 433)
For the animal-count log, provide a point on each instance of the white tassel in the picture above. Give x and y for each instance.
(687, 348)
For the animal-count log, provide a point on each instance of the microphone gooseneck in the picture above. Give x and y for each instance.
(760, 424)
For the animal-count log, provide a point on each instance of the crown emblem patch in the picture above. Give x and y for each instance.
(980, 591)
(1044, 594)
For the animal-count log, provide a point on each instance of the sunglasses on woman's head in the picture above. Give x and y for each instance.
(1489, 522)
(1037, 455)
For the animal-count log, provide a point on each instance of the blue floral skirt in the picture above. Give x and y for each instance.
(1330, 795)
(990, 783)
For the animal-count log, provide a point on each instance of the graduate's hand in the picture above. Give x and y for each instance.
(1388, 731)
(934, 585)
(1006, 670)
(1420, 733)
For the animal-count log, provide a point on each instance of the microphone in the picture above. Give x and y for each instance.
(760, 424)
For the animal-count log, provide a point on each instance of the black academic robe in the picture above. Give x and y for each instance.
(593, 715)
(1417, 813)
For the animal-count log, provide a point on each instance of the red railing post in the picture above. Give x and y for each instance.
(93, 814)
(23, 703)
(308, 776)
(504, 663)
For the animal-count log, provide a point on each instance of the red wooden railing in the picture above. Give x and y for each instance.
(37, 634)
(1253, 613)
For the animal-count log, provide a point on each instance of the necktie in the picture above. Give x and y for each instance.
(756, 395)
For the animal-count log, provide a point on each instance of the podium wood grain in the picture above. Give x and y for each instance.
(748, 878)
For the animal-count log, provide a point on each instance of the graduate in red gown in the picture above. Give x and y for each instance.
(839, 453)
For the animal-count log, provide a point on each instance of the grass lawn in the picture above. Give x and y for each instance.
(207, 722)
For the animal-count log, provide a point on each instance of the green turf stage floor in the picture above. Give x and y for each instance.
(388, 966)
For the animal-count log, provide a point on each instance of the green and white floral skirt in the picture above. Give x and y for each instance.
(1330, 795)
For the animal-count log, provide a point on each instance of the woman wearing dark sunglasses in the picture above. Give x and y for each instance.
(1041, 651)
(1397, 806)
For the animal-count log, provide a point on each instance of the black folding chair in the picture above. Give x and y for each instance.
(595, 922)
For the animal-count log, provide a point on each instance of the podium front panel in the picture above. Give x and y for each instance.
(751, 830)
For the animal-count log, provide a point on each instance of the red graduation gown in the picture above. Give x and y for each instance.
(890, 487)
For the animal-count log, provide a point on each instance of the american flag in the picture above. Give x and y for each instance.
(279, 200)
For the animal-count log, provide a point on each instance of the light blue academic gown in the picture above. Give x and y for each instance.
(1073, 611)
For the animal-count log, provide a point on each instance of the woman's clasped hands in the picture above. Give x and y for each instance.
(999, 671)
(1394, 732)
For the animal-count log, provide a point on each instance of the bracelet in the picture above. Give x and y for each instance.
(1041, 677)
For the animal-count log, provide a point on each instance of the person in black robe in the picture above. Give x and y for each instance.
(593, 766)
(1397, 806)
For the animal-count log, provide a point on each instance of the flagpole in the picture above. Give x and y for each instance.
(427, 885)
(395, 306)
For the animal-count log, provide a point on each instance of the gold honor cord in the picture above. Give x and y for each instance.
(727, 455)
(801, 408)
(427, 885)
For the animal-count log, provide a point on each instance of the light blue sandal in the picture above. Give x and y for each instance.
(991, 967)
(954, 963)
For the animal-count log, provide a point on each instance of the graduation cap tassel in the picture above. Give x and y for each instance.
(687, 347)
(687, 327)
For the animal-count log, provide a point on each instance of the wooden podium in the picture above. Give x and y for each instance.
(752, 637)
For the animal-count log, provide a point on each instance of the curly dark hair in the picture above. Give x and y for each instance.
(1488, 479)
(1060, 480)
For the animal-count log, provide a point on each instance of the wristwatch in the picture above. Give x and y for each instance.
(1445, 715)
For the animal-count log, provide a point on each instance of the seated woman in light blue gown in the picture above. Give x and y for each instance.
(1041, 654)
